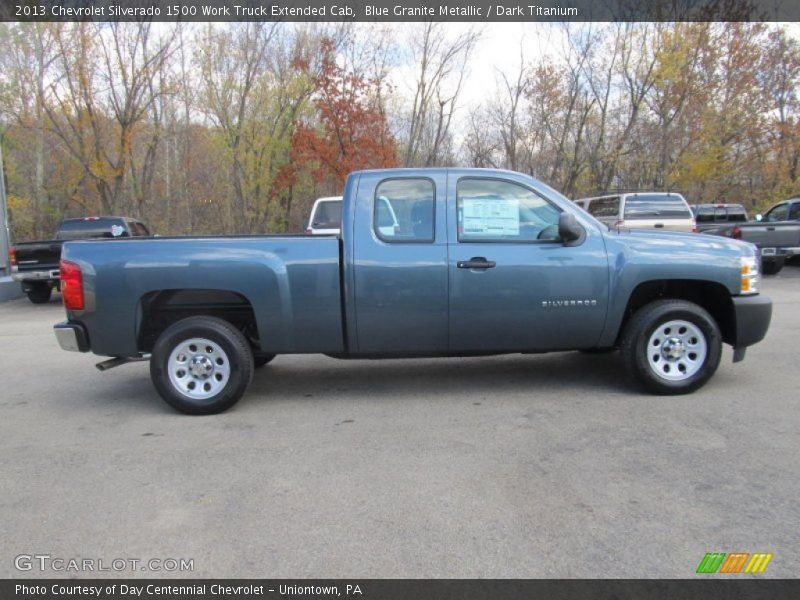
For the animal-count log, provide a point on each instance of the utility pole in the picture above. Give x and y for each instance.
(8, 288)
(5, 267)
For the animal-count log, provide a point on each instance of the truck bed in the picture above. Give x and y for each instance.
(291, 283)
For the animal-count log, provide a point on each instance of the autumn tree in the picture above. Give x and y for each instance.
(349, 131)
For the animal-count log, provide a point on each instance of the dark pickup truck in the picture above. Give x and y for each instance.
(35, 264)
(776, 234)
(481, 261)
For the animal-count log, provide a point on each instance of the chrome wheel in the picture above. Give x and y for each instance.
(676, 350)
(198, 368)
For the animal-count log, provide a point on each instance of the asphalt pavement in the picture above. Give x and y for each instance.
(509, 466)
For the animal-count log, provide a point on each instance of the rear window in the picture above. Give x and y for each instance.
(733, 213)
(101, 227)
(328, 215)
(662, 206)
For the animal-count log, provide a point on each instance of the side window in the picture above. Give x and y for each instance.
(794, 212)
(404, 210)
(604, 207)
(490, 210)
(778, 213)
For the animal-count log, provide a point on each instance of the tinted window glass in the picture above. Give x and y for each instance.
(704, 214)
(328, 215)
(778, 213)
(75, 229)
(648, 206)
(404, 210)
(604, 207)
(736, 214)
(501, 211)
(794, 212)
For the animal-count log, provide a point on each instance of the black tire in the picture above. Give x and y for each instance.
(772, 267)
(635, 346)
(40, 294)
(262, 359)
(234, 347)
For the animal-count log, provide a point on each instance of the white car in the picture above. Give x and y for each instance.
(326, 216)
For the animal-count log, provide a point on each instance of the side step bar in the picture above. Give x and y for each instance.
(120, 360)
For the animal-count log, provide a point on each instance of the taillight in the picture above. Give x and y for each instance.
(736, 233)
(12, 257)
(694, 228)
(71, 285)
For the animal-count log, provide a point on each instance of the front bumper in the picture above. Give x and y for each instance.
(752, 315)
(47, 275)
(71, 337)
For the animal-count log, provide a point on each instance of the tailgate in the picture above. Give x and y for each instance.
(36, 256)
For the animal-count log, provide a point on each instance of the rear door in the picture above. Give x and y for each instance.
(514, 285)
(400, 263)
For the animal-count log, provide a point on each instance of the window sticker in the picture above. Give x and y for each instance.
(117, 230)
(491, 216)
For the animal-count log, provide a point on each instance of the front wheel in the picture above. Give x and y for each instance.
(201, 365)
(671, 346)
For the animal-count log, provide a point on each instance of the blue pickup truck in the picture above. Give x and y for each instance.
(476, 262)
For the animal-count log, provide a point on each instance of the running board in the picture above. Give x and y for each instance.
(120, 360)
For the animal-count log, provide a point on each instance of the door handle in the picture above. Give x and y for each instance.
(770, 229)
(659, 225)
(476, 262)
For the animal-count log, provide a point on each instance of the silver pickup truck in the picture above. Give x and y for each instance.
(776, 234)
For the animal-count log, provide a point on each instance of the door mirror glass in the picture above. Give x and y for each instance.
(759, 217)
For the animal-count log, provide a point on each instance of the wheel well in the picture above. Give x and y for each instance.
(160, 309)
(713, 297)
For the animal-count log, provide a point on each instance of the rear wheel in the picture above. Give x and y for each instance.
(671, 346)
(40, 293)
(201, 365)
(772, 267)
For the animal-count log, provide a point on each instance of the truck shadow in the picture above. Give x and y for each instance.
(564, 372)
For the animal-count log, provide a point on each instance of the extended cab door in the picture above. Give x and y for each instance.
(514, 285)
(399, 249)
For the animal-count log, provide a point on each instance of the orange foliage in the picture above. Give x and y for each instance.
(352, 133)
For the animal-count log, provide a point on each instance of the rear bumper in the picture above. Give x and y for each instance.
(44, 275)
(752, 315)
(774, 253)
(71, 337)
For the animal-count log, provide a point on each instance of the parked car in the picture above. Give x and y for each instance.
(482, 261)
(641, 210)
(326, 216)
(710, 217)
(35, 264)
(776, 234)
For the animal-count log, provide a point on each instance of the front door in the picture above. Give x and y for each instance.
(514, 286)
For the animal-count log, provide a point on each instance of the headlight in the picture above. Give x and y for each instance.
(749, 277)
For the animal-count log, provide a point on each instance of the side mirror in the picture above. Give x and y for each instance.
(570, 230)
(759, 217)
